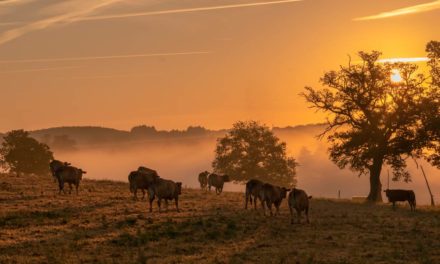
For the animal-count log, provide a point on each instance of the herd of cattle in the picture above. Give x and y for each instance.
(148, 180)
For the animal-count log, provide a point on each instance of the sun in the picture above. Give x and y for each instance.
(395, 76)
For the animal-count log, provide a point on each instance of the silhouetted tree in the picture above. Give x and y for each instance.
(20, 153)
(430, 131)
(251, 151)
(371, 120)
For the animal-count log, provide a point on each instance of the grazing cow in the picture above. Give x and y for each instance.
(70, 175)
(217, 181)
(203, 179)
(55, 165)
(401, 196)
(271, 194)
(299, 201)
(253, 188)
(167, 190)
(141, 180)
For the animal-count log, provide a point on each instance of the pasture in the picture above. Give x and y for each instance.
(103, 224)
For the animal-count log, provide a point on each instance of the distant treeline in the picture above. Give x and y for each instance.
(70, 138)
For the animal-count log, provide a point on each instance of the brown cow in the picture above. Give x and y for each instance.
(217, 181)
(141, 180)
(55, 165)
(70, 175)
(167, 190)
(253, 188)
(299, 201)
(203, 179)
(401, 196)
(271, 194)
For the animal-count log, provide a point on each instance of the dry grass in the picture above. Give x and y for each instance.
(104, 225)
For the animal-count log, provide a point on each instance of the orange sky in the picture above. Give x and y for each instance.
(174, 63)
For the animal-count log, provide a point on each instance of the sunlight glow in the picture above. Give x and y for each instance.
(395, 76)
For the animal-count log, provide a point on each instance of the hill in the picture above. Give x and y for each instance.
(104, 225)
(92, 136)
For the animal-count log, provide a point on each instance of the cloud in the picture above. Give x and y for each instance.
(109, 57)
(406, 60)
(13, 2)
(184, 10)
(66, 18)
(404, 11)
(81, 14)
(39, 69)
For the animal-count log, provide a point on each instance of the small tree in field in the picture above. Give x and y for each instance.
(19, 153)
(251, 151)
(372, 120)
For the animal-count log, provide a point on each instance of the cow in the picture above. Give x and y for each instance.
(70, 175)
(270, 194)
(299, 201)
(203, 180)
(217, 181)
(166, 190)
(253, 188)
(141, 180)
(55, 165)
(401, 196)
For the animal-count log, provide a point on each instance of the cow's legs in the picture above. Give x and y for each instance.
(77, 185)
(291, 214)
(135, 197)
(158, 204)
(70, 188)
(151, 203)
(264, 207)
(277, 207)
(394, 205)
(166, 205)
(269, 205)
(177, 203)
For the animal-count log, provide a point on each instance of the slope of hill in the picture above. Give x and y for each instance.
(104, 225)
(89, 136)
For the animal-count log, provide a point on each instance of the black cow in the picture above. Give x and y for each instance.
(401, 196)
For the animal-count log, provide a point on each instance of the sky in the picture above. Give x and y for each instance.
(176, 63)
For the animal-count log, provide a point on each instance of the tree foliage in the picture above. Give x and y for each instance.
(430, 131)
(20, 153)
(372, 120)
(251, 151)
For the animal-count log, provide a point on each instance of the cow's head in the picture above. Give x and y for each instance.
(284, 192)
(131, 180)
(81, 172)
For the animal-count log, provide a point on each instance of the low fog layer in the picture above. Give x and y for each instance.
(182, 160)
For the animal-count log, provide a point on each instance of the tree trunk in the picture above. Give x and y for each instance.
(375, 194)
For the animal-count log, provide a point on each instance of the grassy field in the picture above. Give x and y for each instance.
(104, 225)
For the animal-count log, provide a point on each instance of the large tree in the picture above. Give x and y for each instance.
(20, 153)
(372, 120)
(430, 131)
(251, 151)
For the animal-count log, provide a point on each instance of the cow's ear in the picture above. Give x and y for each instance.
(84, 172)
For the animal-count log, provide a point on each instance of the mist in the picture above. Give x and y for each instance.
(183, 159)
